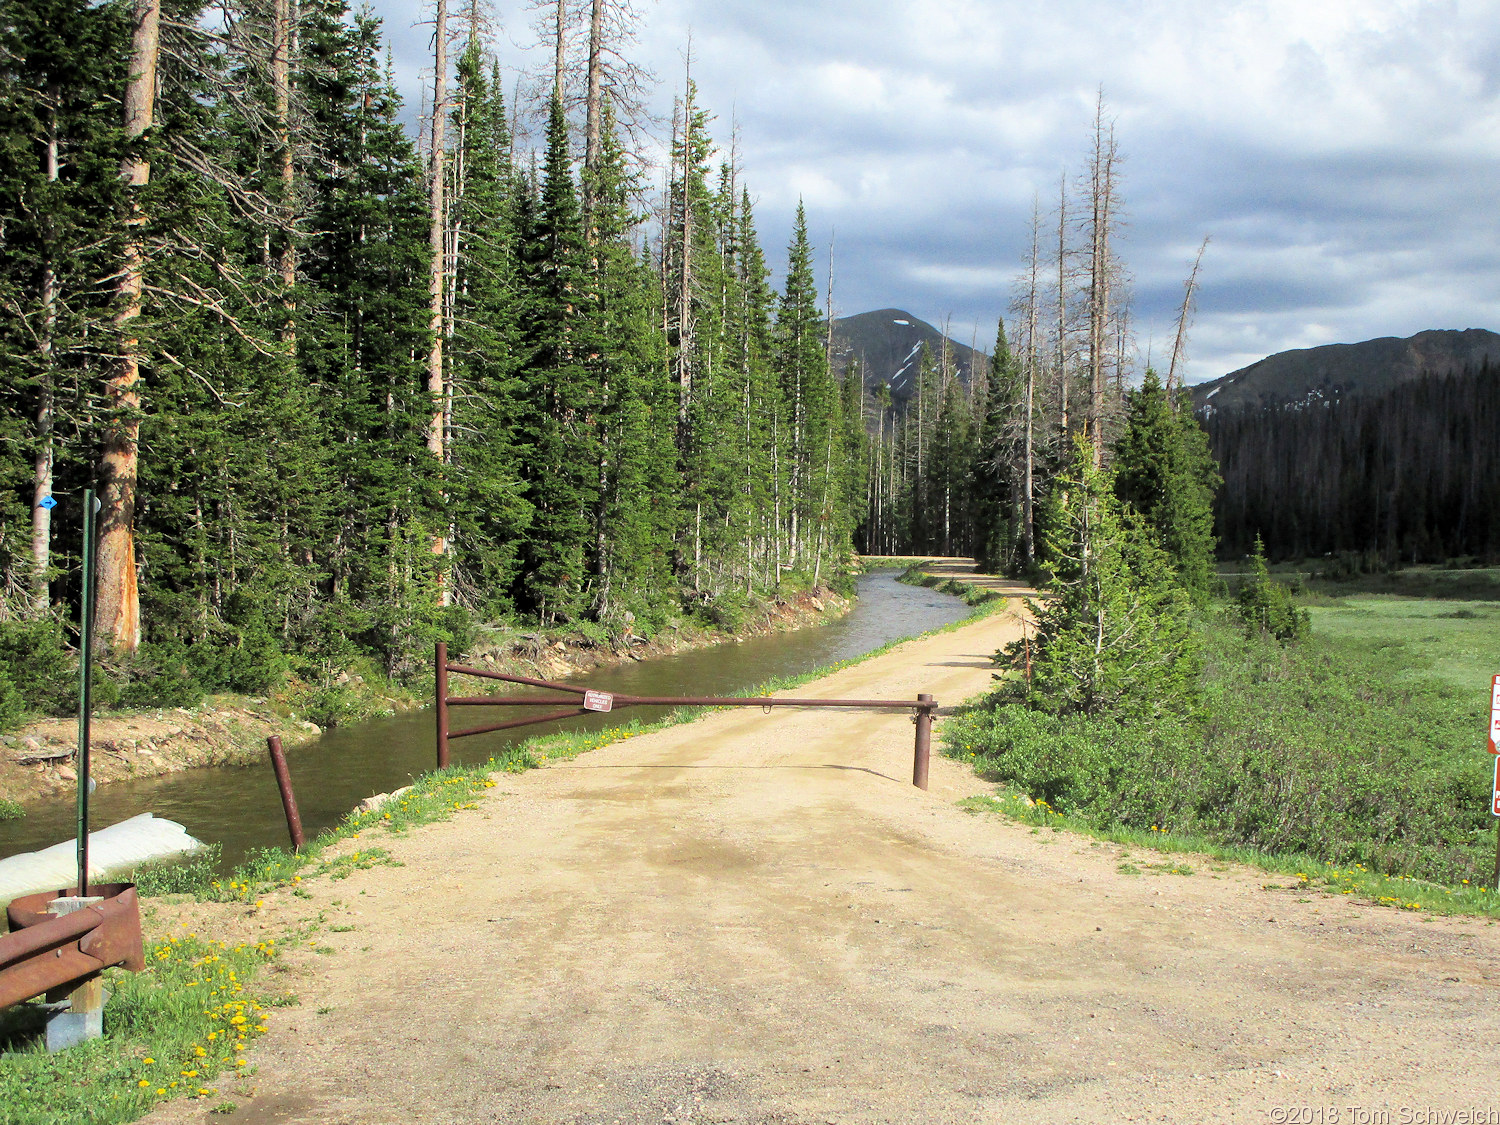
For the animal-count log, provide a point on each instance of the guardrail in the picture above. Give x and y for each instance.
(581, 701)
(55, 953)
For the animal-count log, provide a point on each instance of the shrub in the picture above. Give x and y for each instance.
(1269, 607)
(1324, 749)
(40, 671)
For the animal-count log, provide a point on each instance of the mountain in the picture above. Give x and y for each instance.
(1308, 375)
(888, 344)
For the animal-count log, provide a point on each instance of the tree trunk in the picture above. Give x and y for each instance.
(1062, 306)
(1101, 222)
(437, 245)
(41, 517)
(560, 54)
(594, 108)
(118, 614)
(281, 86)
(1032, 298)
(685, 277)
(1184, 315)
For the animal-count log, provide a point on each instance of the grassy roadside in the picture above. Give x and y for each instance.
(1353, 762)
(157, 1022)
(1304, 873)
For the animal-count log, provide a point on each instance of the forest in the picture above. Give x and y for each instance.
(343, 391)
(1405, 476)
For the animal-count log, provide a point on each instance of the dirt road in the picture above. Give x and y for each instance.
(756, 918)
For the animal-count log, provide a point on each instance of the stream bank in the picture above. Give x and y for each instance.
(36, 761)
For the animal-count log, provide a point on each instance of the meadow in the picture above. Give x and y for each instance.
(1359, 750)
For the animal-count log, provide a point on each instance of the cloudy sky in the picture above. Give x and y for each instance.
(1343, 155)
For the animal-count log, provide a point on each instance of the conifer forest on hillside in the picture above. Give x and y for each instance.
(343, 391)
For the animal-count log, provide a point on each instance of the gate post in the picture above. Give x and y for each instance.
(441, 710)
(288, 798)
(923, 751)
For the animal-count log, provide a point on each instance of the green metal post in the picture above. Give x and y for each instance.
(85, 689)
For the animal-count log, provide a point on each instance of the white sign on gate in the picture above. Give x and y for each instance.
(602, 701)
(1495, 806)
(1495, 715)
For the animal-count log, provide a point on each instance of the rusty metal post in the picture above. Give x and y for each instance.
(1495, 882)
(923, 754)
(442, 705)
(288, 798)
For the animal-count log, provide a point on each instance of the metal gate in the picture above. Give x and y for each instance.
(581, 701)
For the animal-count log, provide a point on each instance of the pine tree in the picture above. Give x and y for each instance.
(1165, 473)
(1115, 636)
(560, 462)
(489, 511)
(802, 368)
(999, 514)
(1267, 608)
(635, 511)
(60, 140)
(365, 340)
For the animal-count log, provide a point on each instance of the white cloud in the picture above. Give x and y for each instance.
(1342, 153)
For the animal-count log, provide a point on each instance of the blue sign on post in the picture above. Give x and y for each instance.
(46, 502)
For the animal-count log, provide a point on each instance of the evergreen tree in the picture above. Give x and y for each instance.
(806, 386)
(1166, 474)
(489, 511)
(999, 519)
(1267, 608)
(635, 514)
(1115, 636)
(560, 462)
(61, 70)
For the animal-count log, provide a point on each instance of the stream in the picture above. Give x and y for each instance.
(239, 808)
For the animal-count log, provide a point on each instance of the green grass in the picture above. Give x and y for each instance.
(989, 601)
(9, 810)
(1360, 750)
(1455, 641)
(1304, 872)
(1447, 583)
(168, 1032)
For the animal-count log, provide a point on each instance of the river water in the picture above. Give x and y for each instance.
(239, 807)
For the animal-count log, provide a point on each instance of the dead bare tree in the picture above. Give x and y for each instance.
(437, 245)
(1031, 355)
(1102, 222)
(587, 44)
(283, 40)
(46, 453)
(1184, 317)
(1063, 330)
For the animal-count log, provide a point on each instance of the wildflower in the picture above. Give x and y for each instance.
(143, 1082)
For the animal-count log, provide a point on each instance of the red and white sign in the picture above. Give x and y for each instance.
(1495, 804)
(1495, 715)
(603, 701)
